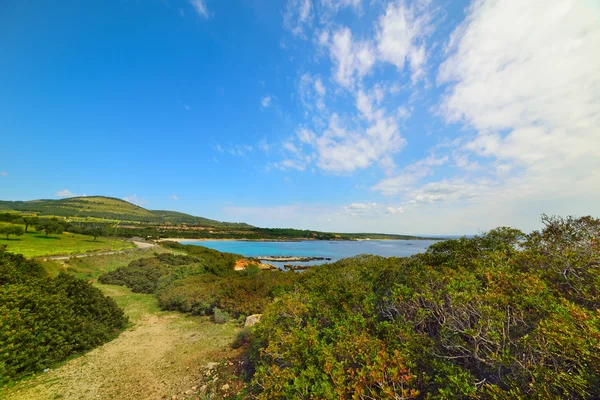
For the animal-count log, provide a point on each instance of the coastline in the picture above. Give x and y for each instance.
(179, 240)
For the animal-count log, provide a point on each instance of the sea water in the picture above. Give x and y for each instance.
(335, 250)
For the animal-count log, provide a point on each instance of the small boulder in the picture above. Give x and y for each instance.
(225, 387)
(252, 320)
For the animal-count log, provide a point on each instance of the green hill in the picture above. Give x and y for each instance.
(176, 217)
(109, 208)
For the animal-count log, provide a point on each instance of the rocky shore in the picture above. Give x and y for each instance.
(292, 258)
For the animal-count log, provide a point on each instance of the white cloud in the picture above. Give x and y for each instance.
(352, 60)
(409, 176)
(525, 77)
(312, 92)
(200, 7)
(444, 191)
(320, 89)
(174, 197)
(64, 193)
(336, 5)
(520, 100)
(265, 102)
(342, 150)
(264, 146)
(241, 150)
(398, 38)
(134, 199)
(68, 193)
(3, 173)
(298, 13)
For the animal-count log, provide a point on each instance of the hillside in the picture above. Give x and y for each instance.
(109, 208)
(176, 218)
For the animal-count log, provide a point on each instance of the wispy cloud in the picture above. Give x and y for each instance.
(265, 102)
(298, 14)
(68, 193)
(200, 7)
(3, 173)
(64, 193)
(241, 150)
(134, 199)
(175, 197)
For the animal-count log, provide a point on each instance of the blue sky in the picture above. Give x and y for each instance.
(418, 117)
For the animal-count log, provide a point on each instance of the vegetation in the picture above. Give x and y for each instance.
(45, 320)
(50, 226)
(108, 208)
(97, 215)
(8, 230)
(503, 315)
(36, 244)
(202, 281)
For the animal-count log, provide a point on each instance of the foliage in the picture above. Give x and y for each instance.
(238, 294)
(30, 221)
(503, 315)
(219, 316)
(50, 226)
(8, 230)
(145, 275)
(44, 320)
(202, 281)
(35, 244)
(107, 208)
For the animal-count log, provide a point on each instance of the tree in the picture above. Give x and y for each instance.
(8, 217)
(11, 230)
(30, 221)
(95, 232)
(50, 226)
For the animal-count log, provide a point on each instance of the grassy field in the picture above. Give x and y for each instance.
(90, 268)
(36, 244)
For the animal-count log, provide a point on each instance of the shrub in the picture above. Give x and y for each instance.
(44, 320)
(503, 315)
(242, 338)
(219, 316)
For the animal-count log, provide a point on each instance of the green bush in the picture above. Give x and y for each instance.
(219, 316)
(503, 315)
(44, 320)
(237, 294)
(202, 280)
(243, 337)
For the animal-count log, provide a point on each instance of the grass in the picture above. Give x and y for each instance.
(36, 244)
(135, 305)
(90, 268)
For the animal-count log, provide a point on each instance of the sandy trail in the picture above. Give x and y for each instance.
(162, 355)
(140, 245)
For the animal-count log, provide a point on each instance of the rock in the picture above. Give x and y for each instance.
(252, 320)
(173, 397)
(194, 387)
(188, 392)
(225, 387)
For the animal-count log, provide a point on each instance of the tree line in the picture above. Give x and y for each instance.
(49, 226)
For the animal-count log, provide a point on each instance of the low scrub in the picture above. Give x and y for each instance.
(202, 281)
(237, 294)
(503, 315)
(45, 320)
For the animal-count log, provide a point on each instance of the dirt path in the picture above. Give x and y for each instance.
(163, 354)
(140, 245)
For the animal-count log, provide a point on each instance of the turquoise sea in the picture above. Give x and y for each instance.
(318, 248)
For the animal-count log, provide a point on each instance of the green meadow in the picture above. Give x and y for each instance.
(37, 244)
